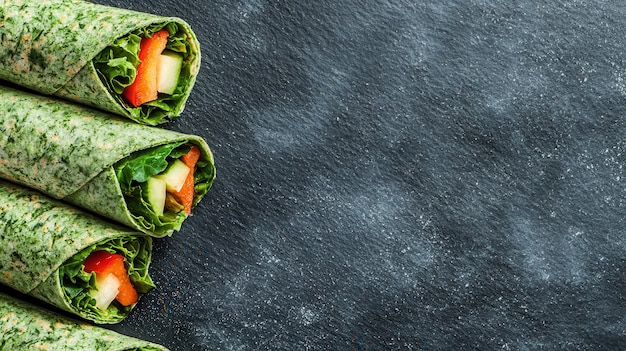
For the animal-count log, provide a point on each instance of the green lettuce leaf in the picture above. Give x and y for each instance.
(118, 62)
(144, 164)
(204, 174)
(117, 67)
(77, 283)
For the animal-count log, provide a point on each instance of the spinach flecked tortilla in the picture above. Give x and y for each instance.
(83, 156)
(25, 326)
(44, 242)
(87, 53)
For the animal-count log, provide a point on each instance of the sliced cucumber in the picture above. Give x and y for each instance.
(106, 290)
(175, 175)
(156, 190)
(168, 71)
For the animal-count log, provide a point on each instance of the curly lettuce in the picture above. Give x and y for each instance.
(117, 67)
(77, 283)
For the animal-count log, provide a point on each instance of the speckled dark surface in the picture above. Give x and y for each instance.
(401, 175)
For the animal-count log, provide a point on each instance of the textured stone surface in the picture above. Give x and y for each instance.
(400, 175)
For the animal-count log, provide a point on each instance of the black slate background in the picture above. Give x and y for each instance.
(400, 175)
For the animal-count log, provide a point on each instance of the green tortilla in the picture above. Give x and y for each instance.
(72, 152)
(24, 326)
(43, 243)
(57, 47)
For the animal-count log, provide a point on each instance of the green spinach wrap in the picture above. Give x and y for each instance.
(146, 177)
(48, 250)
(25, 326)
(137, 65)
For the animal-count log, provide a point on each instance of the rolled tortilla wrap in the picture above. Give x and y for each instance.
(89, 53)
(25, 326)
(43, 247)
(96, 161)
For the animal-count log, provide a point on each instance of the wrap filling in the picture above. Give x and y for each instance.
(148, 70)
(161, 185)
(108, 287)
